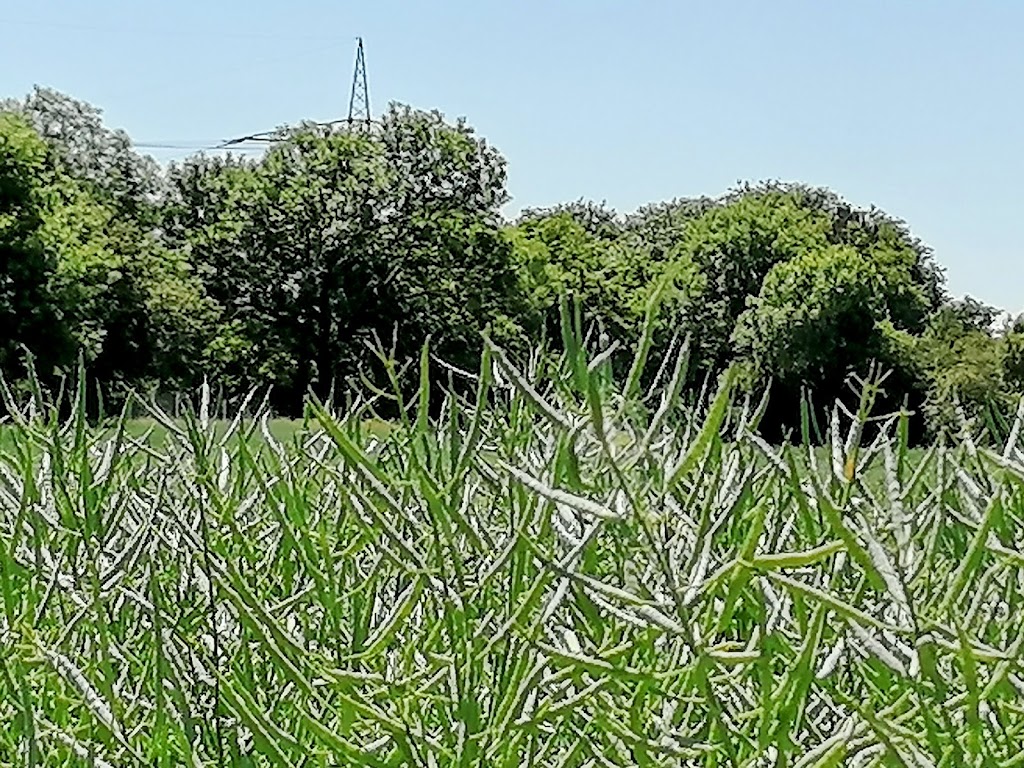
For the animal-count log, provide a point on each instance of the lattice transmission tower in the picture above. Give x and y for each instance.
(359, 100)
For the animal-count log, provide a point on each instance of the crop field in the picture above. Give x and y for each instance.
(559, 567)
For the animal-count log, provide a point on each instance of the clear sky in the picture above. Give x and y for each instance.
(911, 105)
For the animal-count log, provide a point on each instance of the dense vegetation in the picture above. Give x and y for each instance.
(563, 568)
(537, 510)
(291, 270)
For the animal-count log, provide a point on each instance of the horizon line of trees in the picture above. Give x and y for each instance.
(286, 270)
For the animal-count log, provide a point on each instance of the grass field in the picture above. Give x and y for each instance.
(155, 433)
(560, 571)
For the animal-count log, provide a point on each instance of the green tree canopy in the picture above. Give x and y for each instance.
(282, 270)
(338, 238)
(91, 152)
(29, 313)
(80, 277)
(815, 317)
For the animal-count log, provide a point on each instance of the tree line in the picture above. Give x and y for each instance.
(295, 270)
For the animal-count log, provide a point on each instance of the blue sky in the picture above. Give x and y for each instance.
(910, 105)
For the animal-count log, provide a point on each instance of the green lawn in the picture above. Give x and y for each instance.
(282, 430)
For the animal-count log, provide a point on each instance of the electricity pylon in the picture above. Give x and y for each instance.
(359, 101)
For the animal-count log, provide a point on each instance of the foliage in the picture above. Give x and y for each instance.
(290, 270)
(598, 221)
(29, 313)
(83, 279)
(91, 152)
(964, 365)
(547, 580)
(454, 270)
(580, 252)
(663, 225)
(733, 248)
(815, 317)
(336, 239)
(1013, 360)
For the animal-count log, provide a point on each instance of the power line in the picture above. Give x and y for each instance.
(219, 35)
(173, 144)
(178, 144)
(359, 116)
(358, 108)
